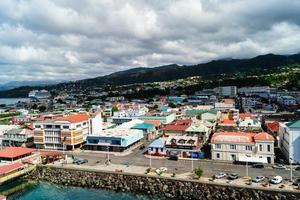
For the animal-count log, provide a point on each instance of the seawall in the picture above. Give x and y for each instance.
(157, 186)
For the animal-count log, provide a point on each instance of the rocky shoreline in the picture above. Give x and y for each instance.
(168, 188)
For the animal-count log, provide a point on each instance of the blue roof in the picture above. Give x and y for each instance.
(143, 126)
(158, 143)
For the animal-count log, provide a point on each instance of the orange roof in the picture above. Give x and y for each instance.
(238, 137)
(263, 136)
(228, 101)
(5, 169)
(273, 126)
(13, 152)
(154, 122)
(228, 122)
(246, 115)
(172, 127)
(75, 118)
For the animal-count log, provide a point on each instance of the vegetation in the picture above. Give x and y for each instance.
(198, 172)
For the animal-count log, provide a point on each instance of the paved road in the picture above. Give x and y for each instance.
(181, 166)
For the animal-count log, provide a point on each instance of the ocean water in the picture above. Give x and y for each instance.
(48, 191)
(12, 101)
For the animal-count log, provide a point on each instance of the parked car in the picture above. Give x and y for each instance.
(233, 176)
(173, 158)
(220, 175)
(276, 180)
(80, 161)
(296, 182)
(279, 166)
(258, 165)
(258, 179)
(297, 168)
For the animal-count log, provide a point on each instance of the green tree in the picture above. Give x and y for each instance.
(198, 172)
(172, 105)
(42, 108)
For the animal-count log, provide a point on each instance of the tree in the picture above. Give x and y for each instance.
(114, 109)
(198, 172)
(172, 105)
(42, 108)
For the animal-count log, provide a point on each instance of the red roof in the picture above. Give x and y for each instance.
(273, 126)
(246, 115)
(13, 152)
(263, 136)
(172, 127)
(75, 118)
(5, 169)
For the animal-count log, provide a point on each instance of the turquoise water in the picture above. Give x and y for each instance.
(47, 191)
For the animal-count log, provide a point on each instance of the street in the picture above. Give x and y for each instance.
(209, 167)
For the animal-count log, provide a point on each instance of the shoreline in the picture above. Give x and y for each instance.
(164, 187)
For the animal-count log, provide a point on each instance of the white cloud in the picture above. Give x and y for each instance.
(58, 39)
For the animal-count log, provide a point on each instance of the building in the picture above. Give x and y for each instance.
(18, 138)
(263, 91)
(39, 94)
(235, 146)
(225, 104)
(67, 132)
(11, 154)
(199, 130)
(114, 140)
(176, 127)
(157, 148)
(164, 118)
(289, 142)
(227, 91)
(286, 100)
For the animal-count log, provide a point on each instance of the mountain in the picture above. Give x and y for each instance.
(16, 84)
(213, 71)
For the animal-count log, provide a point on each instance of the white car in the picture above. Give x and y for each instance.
(258, 179)
(276, 180)
(220, 175)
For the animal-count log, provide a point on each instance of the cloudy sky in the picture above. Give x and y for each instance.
(69, 40)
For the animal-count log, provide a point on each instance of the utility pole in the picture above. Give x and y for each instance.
(291, 167)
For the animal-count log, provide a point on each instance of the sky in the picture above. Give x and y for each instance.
(71, 40)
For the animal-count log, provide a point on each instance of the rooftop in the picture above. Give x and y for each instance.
(240, 137)
(5, 169)
(14, 152)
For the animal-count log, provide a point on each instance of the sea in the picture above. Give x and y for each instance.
(12, 101)
(49, 191)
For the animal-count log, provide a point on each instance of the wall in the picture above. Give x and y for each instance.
(163, 187)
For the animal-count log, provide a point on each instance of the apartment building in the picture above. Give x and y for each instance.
(289, 142)
(66, 132)
(236, 146)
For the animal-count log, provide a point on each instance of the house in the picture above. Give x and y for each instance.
(148, 130)
(114, 140)
(235, 146)
(65, 132)
(178, 126)
(18, 137)
(199, 130)
(289, 142)
(273, 128)
(205, 115)
(248, 123)
(157, 148)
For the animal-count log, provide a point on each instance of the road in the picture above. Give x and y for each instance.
(181, 166)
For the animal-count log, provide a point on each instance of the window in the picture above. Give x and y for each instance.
(48, 126)
(218, 146)
(37, 126)
(66, 127)
(232, 146)
(218, 155)
(161, 149)
(78, 125)
(232, 156)
(260, 147)
(57, 126)
(269, 148)
(248, 148)
(84, 124)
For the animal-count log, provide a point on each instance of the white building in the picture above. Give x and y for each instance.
(289, 134)
(235, 146)
(263, 91)
(227, 91)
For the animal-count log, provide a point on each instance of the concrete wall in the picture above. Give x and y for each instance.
(170, 188)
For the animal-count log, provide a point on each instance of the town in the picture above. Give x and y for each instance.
(240, 136)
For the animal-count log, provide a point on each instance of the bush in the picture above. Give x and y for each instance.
(198, 172)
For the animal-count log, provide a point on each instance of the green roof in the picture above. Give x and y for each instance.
(198, 112)
(294, 124)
